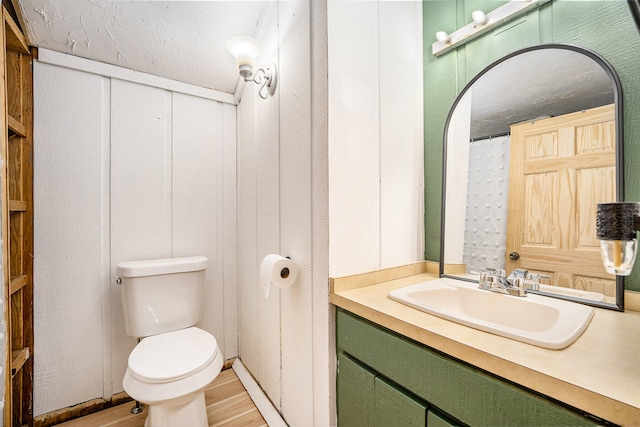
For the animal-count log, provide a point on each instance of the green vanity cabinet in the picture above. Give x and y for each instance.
(368, 399)
(394, 407)
(385, 379)
(356, 392)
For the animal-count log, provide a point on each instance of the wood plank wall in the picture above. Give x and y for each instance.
(375, 135)
(288, 148)
(124, 171)
(317, 180)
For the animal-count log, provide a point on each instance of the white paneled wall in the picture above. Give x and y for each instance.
(324, 359)
(350, 206)
(354, 137)
(123, 171)
(401, 133)
(259, 220)
(296, 214)
(71, 236)
(375, 135)
(284, 338)
(328, 172)
(268, 206)
(140, 194)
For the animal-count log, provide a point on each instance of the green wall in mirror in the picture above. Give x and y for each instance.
(605, 27)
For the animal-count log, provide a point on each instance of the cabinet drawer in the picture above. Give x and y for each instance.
(435, 420)
(368, 400)
(394, 408)
(467, 393)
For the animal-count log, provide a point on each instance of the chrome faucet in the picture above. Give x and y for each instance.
(519, 282)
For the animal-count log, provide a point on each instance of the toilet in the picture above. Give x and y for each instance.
(175, 361)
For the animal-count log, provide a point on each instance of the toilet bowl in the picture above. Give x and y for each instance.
(169, 372)
(163, 300)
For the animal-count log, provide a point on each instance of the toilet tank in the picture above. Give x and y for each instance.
(162, 295)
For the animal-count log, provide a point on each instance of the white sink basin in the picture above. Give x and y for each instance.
(534, 319)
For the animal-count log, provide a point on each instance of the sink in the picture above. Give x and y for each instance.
(534, 319)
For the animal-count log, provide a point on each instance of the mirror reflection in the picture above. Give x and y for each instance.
(532, 144)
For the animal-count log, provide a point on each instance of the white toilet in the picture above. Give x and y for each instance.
(170, 368)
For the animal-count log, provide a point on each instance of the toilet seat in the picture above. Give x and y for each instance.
(172, 356)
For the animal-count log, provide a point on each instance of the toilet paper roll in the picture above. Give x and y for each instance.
(278, 271)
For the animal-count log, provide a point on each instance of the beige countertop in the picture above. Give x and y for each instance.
(599, 373)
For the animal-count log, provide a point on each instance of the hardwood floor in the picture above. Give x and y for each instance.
(228, 404)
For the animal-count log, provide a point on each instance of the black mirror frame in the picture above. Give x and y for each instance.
(635, 5)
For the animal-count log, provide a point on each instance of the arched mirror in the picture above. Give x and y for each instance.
(531, 145)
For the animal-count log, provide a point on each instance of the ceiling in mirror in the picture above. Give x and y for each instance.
(532, 144)
(552, 81)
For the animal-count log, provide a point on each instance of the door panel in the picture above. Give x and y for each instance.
(560, 168)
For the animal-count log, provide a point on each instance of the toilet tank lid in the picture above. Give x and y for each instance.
(153, 267)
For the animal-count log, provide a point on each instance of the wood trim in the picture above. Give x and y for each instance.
(8, 396)
(92, 406)
(18, 359)
(17, 216)
(107, 70)
(18, 283)
(27, 247)
(15, 126)
(632, 301)
(80, 410)
(261, 401)
(17, 206)
(341, 284)
(346, 283)
(15, 40)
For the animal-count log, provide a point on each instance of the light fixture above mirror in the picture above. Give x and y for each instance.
(479, 17)
(245, 50)
(481, 23)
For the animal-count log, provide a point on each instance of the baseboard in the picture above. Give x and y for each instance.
(91, 406)
(262, 402)
(80, 410)
(632, 300)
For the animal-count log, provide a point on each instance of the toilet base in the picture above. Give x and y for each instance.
(193, 413)
(177, 403)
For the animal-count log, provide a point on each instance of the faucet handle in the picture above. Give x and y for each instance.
(519, 287)
(538, 277)
(489, 276)
(532, 282)
(515, 274)
(485, 278)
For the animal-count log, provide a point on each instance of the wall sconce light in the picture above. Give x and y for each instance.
(482, 23)
(245, 50)
(616, 226)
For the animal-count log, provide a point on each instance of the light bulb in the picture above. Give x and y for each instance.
(618, 256)
(616, 229)
(479, 17)
(443, 37)
(244, 49)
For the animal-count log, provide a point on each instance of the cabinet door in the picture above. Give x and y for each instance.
(394, 408)
(435, 420)
(356, 388)
(365, 399)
